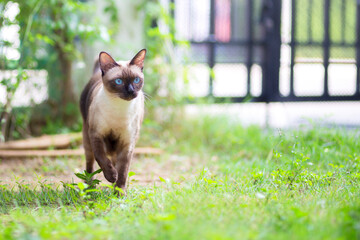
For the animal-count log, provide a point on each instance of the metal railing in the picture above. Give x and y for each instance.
(316, 30)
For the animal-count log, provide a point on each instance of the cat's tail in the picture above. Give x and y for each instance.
(96, 66)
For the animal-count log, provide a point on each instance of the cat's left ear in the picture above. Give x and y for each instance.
(138, 60)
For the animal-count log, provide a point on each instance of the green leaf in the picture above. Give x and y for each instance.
(95, 182)
(82, 185)
(96, 172)
(81, 176)
(92, 190)
(119, 189)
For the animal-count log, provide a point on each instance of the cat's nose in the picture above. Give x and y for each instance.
(130, 89)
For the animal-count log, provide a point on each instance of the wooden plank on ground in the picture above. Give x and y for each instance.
(59, 141)
(65, 152)
(40, 153)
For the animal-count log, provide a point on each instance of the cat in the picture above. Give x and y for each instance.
(112, 107)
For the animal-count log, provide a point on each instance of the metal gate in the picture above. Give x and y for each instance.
(303, 50)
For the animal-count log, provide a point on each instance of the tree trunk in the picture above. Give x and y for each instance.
(67, 99)
(67, 103)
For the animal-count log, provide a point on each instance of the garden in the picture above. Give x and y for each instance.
(194, 175)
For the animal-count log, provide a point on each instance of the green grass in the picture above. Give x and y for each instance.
(255, 184)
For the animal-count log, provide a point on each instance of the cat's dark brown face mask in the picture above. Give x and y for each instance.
(123, 79)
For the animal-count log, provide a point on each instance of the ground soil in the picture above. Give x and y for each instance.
(148, 169)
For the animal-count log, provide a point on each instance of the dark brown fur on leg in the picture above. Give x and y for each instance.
(105, 164)
(89, 155)
(122, 166)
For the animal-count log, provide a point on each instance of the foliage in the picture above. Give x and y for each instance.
(162, 70)
(51, 35)
(59, 28)
(11, 84)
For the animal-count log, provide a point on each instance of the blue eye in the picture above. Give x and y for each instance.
(137, 80)
(118, 81)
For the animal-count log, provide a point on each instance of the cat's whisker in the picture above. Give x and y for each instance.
(147, 98)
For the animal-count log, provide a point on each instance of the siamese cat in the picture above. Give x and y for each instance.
(112, 107)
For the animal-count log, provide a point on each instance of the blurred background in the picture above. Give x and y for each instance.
(272, 63)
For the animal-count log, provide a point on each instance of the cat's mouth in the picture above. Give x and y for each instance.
(128, 97)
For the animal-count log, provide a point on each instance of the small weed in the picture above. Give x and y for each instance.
(88, 178)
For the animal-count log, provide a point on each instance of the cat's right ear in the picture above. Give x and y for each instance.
(106, 62)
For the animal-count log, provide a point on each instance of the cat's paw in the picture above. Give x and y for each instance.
(120, 192)
(111, 174)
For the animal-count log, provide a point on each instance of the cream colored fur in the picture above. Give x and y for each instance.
(108, 113)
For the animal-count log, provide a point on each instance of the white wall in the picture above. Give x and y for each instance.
(125, 44)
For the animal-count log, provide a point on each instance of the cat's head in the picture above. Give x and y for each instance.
(123, 79)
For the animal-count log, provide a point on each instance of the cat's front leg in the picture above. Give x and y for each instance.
(98, 147)
(89, 155)
(122, 166)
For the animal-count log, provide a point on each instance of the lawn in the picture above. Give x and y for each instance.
(227, 182)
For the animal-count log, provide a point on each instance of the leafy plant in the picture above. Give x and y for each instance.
(163, 70)
(11, 84)
(88, 178)
(51, 34)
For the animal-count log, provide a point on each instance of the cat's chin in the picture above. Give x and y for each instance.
(128, 98)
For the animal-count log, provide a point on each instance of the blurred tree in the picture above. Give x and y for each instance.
(51, 32)
(48, 32)
(163, 67)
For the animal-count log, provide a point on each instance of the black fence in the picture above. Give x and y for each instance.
(299, 50)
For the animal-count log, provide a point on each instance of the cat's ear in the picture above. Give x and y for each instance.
(106, 62)
(138, 60)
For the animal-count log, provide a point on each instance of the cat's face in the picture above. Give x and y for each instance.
(123, 79)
